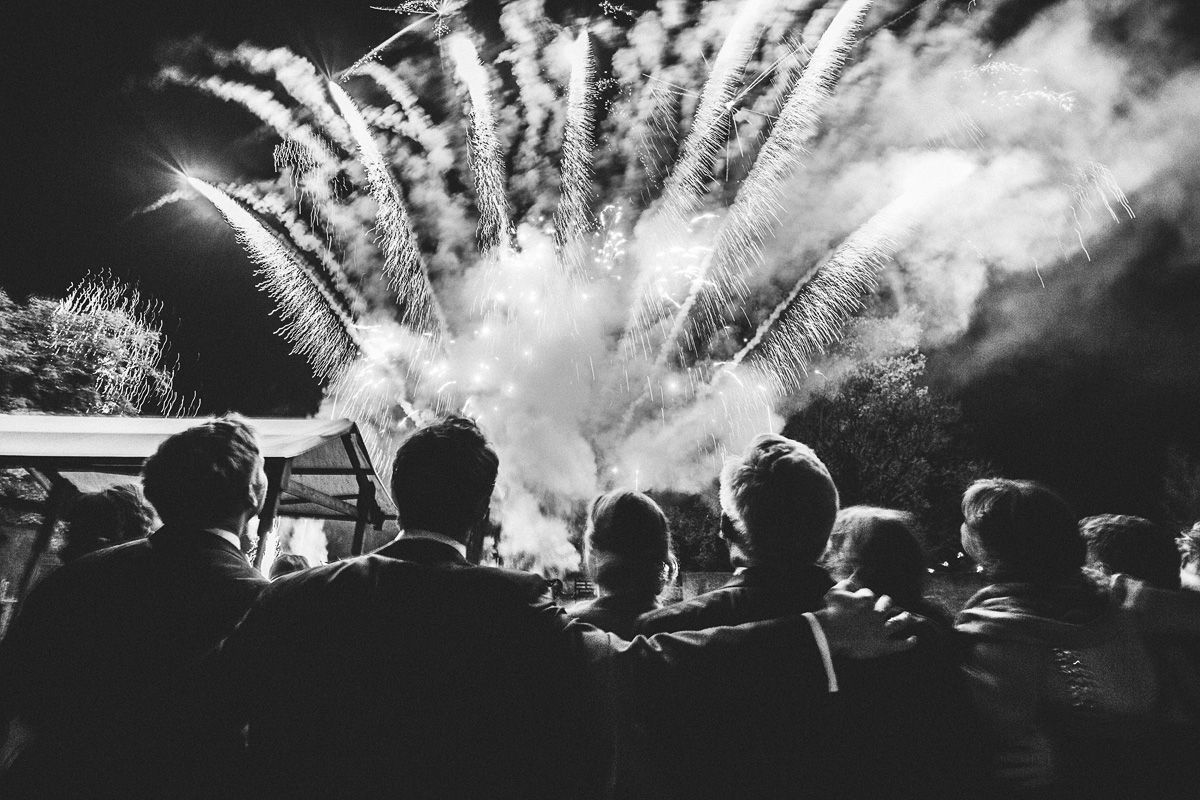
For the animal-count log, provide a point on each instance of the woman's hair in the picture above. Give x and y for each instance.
(1022, 531)
(102, 519)
(628, 544)
(879, 548)
(287, 563)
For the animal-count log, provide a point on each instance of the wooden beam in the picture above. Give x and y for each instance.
(307, 493)
(277, 479)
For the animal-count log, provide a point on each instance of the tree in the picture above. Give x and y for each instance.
(1181, 487)
(695, 523)
(97, 352)
(890, 441)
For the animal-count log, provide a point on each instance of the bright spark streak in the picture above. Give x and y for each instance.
(573, 219)
(402, 258)
(313, 320)
(495, 227)
(738, 248)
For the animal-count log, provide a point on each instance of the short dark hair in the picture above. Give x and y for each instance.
(205, 473)
(628, 542)
(1133, 545)
(443, 477)
(780, 499)
(880, 549)
(1026, 531)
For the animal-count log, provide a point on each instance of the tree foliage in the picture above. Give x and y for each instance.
(888, 440)
(94, 353)
(1181, 487)
(695, 523)
(99, 351)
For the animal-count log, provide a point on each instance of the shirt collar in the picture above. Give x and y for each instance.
(433, 536)
(228, 536)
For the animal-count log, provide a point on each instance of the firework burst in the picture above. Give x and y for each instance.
(629, 322)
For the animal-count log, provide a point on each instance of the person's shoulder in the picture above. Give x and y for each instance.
(687, 615)
(525, 585)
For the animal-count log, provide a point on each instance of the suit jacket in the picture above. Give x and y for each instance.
(428, 677)
(755, 593)
(756, 739)
(103, 661)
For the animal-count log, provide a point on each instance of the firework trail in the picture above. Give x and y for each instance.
(402, 257)
(275, 212)
(313, 320)
(573, 220)
(527, 30)
(262, 104)
(487, 157)
(297, 76)
(372, 57)
(811, 317)
(738, 247)
(163, 201)
(689, 180)
(415, 123)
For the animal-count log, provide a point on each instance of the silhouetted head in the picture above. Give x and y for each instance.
(627, 545)
(780, 502)
(1189, 567)
(1021, 531)
(101, 519)
(210, 475)
(443, 477)
(287, 563)
(879, 549)
(1133, 545)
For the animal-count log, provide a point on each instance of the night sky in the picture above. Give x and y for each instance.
(1086, 392)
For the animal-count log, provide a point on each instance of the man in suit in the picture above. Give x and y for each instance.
(411, 672)
(100, 671)
(778, 505)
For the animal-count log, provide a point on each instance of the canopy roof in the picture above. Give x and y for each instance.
(320, 467)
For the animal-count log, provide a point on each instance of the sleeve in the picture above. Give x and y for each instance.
(1004, 683)
(658, 673)
(1158, 611)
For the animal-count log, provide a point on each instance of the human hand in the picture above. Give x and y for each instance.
(858, 624)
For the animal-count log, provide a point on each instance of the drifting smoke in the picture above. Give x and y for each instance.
(720, 221)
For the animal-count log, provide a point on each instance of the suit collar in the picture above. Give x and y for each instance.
(807, 576)
(423, 550)
(177, 537)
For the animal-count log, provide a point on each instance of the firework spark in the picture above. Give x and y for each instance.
(402, 257)
(574, 206)
(313, 320)
(495, 226)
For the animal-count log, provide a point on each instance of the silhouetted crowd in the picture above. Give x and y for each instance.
(166, 666)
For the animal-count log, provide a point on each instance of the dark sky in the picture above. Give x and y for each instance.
(1087, 396)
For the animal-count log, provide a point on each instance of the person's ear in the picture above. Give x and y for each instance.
(727, 530)
(257, 495)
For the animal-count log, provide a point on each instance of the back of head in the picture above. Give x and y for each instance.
(443, 477)
(206, 474)
(780, 500)
(628, 544)
(101, 519)
(879, 548)
(1133, 545)
(1021, 531)
(287, 563)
